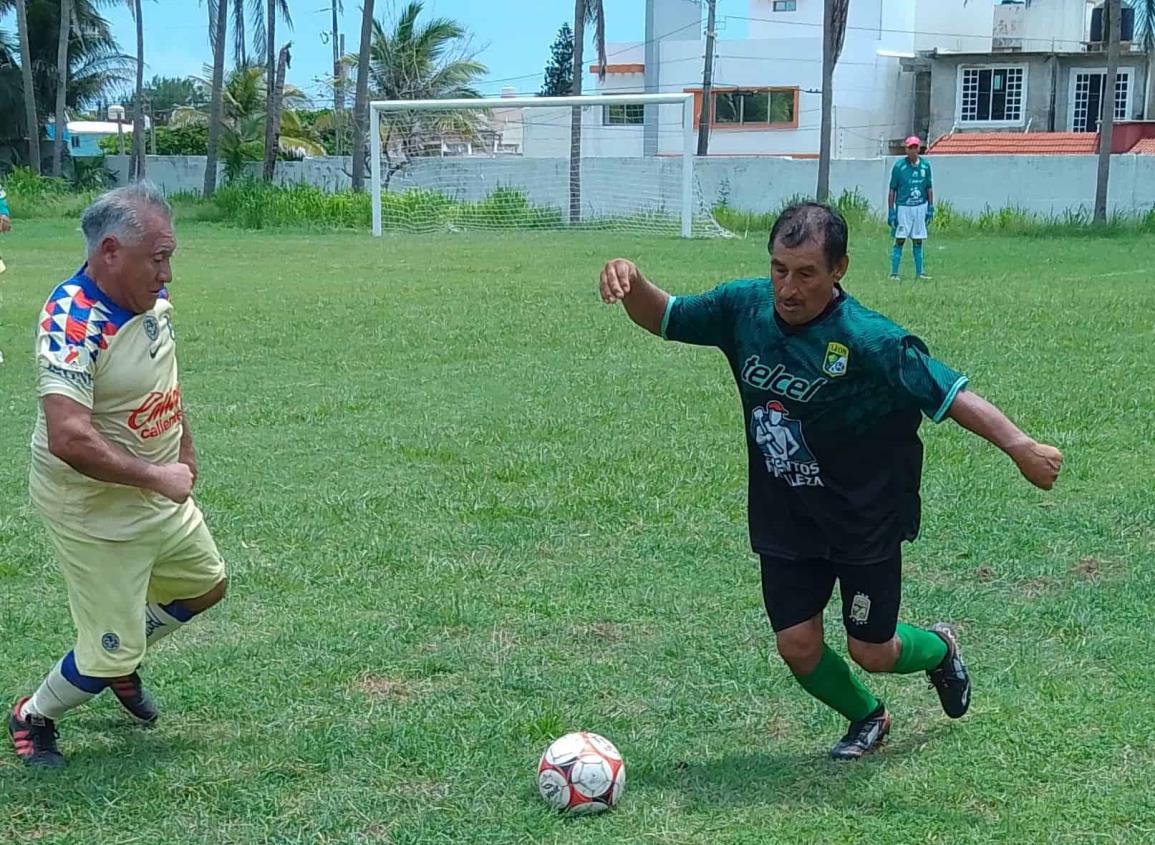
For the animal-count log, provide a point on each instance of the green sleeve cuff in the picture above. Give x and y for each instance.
(940, 415)
(666, 316)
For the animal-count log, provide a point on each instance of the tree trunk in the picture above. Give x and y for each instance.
(338, 80)
(30, 115)
(575, 126)
(338, 67)
(706, 115)
(217, 105)
(138, 167)
(275, 112)
(62, 37)
(270, 89)
(1107, 119)
(361, 123)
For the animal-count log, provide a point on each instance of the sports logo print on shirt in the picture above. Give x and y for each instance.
(837, 359)
(158, 413)
(783, 446)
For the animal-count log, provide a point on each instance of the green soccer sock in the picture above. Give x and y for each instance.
(835, 685)
(922, 650)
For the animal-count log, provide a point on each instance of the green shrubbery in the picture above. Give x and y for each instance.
(256, 205)
(253, 204)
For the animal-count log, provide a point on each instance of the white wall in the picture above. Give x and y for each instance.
(1038, 184)
(765, 23)
(954, 26)
(1056, 24)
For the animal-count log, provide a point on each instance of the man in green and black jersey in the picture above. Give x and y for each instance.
(833, 395)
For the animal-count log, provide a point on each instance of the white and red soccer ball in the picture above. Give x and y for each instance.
(581, 773)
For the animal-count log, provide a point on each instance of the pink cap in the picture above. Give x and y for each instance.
(914, 141)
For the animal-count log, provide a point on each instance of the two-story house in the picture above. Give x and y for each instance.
(1044, 72)
(925, 66)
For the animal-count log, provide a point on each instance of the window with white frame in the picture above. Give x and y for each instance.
(1087, 89)
(991, 94)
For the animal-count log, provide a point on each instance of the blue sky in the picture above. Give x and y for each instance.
(512, 37)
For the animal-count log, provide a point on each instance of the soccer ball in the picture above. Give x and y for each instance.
(581, 773)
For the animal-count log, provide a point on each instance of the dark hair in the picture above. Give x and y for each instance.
(804, 222)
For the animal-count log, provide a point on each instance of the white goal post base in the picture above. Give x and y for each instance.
(457, 154)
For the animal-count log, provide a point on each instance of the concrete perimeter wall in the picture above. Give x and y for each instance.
(1039, 184)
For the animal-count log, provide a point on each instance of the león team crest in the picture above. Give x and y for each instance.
(837, 359)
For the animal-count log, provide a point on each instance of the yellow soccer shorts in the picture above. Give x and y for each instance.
(109, 582)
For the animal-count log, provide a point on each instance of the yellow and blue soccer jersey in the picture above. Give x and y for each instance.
(911, 182)
(123, 367)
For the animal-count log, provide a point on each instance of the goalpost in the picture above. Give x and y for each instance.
(514, 163)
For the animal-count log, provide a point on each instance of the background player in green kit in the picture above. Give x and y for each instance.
(832, 394)
(910, 206)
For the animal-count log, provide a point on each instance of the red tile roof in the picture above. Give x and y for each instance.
(1017, 143)
(1144, 147)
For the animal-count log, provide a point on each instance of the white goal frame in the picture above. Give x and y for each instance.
(379, 107)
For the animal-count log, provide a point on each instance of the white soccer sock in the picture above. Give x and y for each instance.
(56, 695)
(160, 621)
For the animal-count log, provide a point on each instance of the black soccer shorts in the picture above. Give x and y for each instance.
(797, 590)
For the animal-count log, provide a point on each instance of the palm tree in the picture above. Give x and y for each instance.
(64, 30)
(218, 24)
(834, 35)
(271, 10)
(96, 69)
(272, 146)
(594, 12)
(361, 98)
(244, 115)
(415, 60)
(32, 122)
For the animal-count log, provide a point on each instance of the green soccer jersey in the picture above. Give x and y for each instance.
(911, 182)
(832, 412)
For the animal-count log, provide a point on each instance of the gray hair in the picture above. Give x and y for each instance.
(120, 213)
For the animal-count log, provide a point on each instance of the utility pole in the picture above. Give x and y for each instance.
(338, 77)
(1107, 114)
(651, 80)
(706, 116)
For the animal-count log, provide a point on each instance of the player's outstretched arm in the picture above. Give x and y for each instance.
(645, 302)
(72, 439)
(1038, 462)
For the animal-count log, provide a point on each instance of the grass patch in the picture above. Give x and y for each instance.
(466, 508)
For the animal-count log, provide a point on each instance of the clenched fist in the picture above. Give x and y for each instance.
(174, 481)
(1039, 463)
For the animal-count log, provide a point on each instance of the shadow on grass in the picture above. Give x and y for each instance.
(764, 777)
(106, 756)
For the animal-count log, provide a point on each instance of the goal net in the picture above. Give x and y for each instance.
(620, 162)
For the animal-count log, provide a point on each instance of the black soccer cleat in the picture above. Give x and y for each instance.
(950, 678)
(864, 736)
(134, 698)
(34, 739)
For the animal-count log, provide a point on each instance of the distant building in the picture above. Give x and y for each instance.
(83, 136)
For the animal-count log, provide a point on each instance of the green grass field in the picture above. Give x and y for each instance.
(467, 508)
